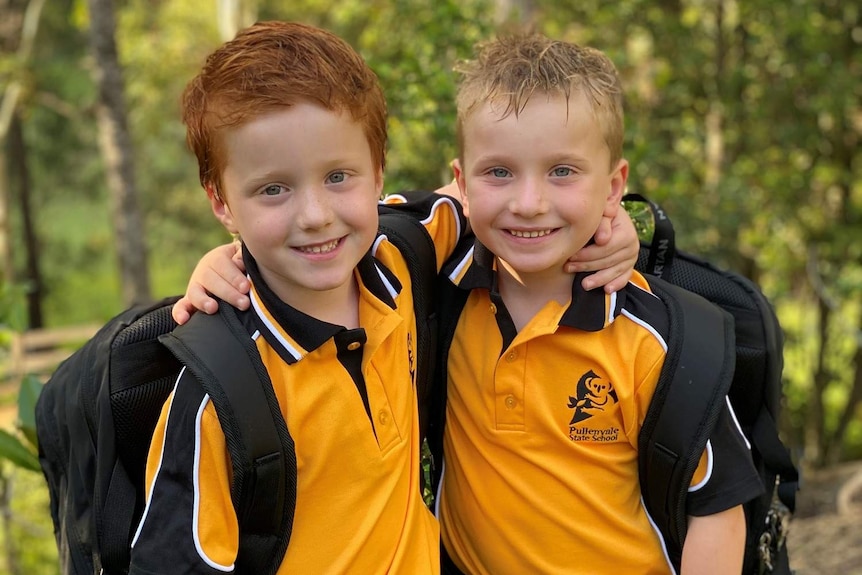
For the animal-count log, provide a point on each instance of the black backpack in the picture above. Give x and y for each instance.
(671, 446)
(725, 335)
(96, 415)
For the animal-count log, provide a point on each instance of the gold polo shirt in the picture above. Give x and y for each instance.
(348, 398)
(541, 438)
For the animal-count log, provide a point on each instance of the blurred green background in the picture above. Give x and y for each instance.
(743, 121)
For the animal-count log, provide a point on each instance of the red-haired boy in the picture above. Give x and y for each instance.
(288, 124)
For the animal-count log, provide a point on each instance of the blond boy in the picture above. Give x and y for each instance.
(541, 436)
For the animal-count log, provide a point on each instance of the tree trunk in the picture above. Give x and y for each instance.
(6, 268)
(815, 430)
(21, 179)
(523, 11)
(116, 145)
(714, 121)
(18, 27)
(234, 15)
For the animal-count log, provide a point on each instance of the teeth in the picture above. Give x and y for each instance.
(319, 249)
(530, 234)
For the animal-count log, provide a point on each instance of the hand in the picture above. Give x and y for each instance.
(219, 272)
(451, 189)
(612, 256)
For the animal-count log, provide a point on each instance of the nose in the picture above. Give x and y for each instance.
(314, 209)
(529, 199)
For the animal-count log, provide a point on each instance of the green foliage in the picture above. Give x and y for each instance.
(13, 450)
(13, 315)
(29, 524)
(742, 121)
(28, 395)
(19, 447)
(642, 218)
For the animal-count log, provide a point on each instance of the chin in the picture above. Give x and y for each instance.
(327, 283)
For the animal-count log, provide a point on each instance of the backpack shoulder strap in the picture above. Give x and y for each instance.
(451, 301)
(220, 353)
(691, 391)
(416, 246)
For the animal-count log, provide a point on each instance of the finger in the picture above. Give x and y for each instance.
(199, 299)
(595, 257)
(613, 278)
(604, 232)
(182, 311)
(208, 282)
(236, 258)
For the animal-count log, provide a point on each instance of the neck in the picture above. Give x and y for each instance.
(339, 306)
(526, 294)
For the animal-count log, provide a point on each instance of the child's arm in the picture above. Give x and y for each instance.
(221, 272)
(715, 544)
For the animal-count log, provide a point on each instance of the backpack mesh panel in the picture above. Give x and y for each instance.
(701, 277)
(143, 373)
(147, 327)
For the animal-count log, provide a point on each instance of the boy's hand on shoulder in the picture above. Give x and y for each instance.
(220, 272)
(612, 256)
(451, 189)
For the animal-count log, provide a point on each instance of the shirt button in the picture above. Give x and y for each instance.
(511, 356)
(511, 402)
(383, 417)
(494, 309)
(353, 345)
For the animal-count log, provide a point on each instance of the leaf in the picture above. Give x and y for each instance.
(29, 393)
(12, 449)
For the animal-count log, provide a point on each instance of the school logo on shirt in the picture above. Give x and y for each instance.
(595, 396)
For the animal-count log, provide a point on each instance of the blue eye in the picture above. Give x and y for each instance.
(337, 177)
(499, 172)
(563, 171)
(272, 190)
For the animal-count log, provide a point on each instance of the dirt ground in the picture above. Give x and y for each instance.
(823, 541)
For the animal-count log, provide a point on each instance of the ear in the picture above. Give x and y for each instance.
(462, 184)
(378, 183)
(221, 210)
(619, 177)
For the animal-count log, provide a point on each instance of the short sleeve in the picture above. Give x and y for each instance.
(726, 476)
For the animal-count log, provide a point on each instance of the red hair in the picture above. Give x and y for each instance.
(273, 65)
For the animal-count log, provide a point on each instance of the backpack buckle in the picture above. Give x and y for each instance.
(774, 536)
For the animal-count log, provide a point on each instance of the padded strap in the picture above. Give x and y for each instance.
(775, 456)
(691, 392)
(113, 534)
(451, 300)
(416, 246)
(221, 354)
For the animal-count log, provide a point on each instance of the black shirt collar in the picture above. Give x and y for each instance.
(588, 311)
(309, 332)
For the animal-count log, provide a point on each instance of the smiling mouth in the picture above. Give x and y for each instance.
(530, 233)
(320, 248)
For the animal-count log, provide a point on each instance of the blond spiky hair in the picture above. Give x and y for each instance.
(509, 70)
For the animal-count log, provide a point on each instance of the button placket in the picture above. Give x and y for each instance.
(509, 380)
